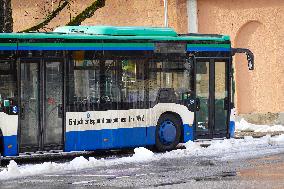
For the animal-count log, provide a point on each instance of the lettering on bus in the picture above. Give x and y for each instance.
(129, 119)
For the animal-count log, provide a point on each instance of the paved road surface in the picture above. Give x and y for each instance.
(198, 172)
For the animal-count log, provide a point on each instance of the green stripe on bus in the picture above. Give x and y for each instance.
(8, 44)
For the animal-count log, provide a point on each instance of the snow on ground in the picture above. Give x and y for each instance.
(228, 149)
(243, 125)
(15, 171)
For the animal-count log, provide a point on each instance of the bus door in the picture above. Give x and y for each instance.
(41, 93)
(52, 118)
(211, 86)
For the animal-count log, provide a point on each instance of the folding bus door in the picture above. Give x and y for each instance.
(211, 86)
(30, 105)
(52, 104)
(41, 97)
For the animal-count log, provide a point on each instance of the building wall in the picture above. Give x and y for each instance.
(257, 25)
(115, 12)
(254, 24)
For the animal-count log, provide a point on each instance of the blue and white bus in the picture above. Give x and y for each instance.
(83, 88)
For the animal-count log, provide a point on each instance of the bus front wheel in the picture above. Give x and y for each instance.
(168, 132)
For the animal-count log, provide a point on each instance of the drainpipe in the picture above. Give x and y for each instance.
(166, 13)
(192, 16)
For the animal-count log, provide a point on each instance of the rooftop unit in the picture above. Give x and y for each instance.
(117, 31)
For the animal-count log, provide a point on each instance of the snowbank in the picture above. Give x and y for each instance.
(243, 125)
(15, 171)
(228, 149)
(279, 140)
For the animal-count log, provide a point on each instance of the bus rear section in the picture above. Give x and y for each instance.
(78, 92)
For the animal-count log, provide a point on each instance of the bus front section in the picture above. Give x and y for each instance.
(213, 97)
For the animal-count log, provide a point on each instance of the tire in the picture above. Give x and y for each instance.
(168, 132)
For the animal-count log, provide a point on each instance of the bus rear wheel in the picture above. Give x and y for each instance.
(168, 132)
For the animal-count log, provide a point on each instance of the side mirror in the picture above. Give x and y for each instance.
(250, 59)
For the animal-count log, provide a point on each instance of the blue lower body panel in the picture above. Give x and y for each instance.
(109, 138)
(116, 138)
(10, 145)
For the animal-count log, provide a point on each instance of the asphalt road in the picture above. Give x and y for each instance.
(193, 172)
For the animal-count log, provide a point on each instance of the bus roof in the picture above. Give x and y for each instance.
(116, 33)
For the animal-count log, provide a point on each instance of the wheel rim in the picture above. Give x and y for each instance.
(167, 132)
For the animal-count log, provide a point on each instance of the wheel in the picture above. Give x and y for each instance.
(168, 132)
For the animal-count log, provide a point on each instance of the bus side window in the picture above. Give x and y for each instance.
(8, 82)
(170, 75)
(133, 83)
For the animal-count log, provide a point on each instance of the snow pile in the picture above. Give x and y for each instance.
(14, 171)
(228, 149)
(243, 125)
(279, 140)
(142, 154)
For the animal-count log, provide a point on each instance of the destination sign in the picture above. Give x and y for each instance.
(170, 48)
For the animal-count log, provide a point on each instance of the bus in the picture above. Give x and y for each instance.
(87, 88)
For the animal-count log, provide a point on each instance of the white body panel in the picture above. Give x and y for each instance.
(113, 119)
(233, 114)
(8, 124)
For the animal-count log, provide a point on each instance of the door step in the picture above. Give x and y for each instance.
(207, 142)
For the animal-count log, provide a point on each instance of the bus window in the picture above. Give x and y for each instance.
(221, 93)
(8, 82)
(94, 83)
(83, 82)
(202, 92)
(169, 74)
(133, 84)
